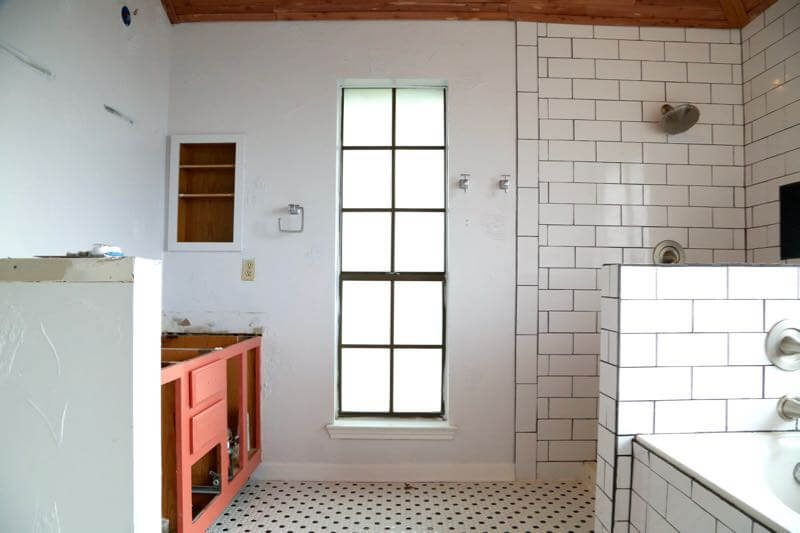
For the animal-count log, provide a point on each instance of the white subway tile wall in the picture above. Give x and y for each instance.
(601, 183)
(662, 498)
(609, 185)
(685, 354)
(529, 254)
(771, 96)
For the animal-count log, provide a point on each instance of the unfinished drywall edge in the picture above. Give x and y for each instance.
(67, 269)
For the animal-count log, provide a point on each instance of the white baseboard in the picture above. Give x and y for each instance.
(384, 472)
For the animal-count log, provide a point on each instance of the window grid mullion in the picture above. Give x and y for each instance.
(410, 148)
(393, 276)
(391, 283)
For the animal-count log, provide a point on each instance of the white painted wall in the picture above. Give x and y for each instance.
(79, 395)
(71, 174)
(277, 84)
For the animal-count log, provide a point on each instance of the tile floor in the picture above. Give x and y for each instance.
(316, 506)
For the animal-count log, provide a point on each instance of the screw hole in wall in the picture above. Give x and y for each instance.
(126, 16)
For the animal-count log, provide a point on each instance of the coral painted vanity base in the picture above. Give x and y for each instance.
(210, 434)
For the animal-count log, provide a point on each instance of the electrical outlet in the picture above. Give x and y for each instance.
(248, 269)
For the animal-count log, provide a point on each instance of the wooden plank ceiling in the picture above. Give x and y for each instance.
(693, 13)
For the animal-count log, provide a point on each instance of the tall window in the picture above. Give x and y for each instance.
(393, 263)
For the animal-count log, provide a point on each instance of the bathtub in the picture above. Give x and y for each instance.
(753, 471)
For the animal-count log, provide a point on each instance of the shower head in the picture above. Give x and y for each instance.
(678, 119)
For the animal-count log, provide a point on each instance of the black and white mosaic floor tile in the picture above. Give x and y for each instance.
(417, 507)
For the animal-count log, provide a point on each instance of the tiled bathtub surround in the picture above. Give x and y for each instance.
(682, 351)
(599, 182)
(667, 500)
(771, 75)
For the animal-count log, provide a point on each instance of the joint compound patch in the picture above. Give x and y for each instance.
(12, 334)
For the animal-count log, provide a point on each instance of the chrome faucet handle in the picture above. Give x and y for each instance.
(791, 342)
(783, 345)
(789, 408)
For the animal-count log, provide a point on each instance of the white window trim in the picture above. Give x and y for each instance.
(390, 429)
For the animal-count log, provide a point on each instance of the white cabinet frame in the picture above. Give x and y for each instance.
(174, 180)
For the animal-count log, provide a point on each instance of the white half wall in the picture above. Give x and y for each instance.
(79, 395)
(71, 173)
(278, 85)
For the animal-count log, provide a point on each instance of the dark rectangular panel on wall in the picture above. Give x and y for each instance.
(790, 220)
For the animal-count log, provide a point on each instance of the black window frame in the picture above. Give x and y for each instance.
(392, 276)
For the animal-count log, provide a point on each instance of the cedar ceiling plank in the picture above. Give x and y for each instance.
(170, 11)
(201, 9)
(224, 6)
(253, 5)
(344, 15)
(547, 6)
(650, 14)
(646, 5)
(735, 12)
(708, 4)
(396, 15)
(389, 7)
(326, 5)
(227, 17)
(694, 13)
(562, 19)
(623, 21)
(320, 5)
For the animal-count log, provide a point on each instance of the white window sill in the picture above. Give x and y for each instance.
(384, 429)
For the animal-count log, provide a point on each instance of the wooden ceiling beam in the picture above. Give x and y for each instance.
(735, 12)
(691, 13)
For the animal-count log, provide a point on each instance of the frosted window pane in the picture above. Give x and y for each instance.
(419, 242)
(367, 119)
(419, 178)
(365, 312)
(366, 242)
(365, 379)
(418, 312)
(366, 178)
(417, 381)
(420, 117)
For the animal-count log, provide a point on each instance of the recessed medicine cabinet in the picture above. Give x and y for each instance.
(205, 192)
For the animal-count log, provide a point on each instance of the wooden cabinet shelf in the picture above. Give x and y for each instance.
(205, 192)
